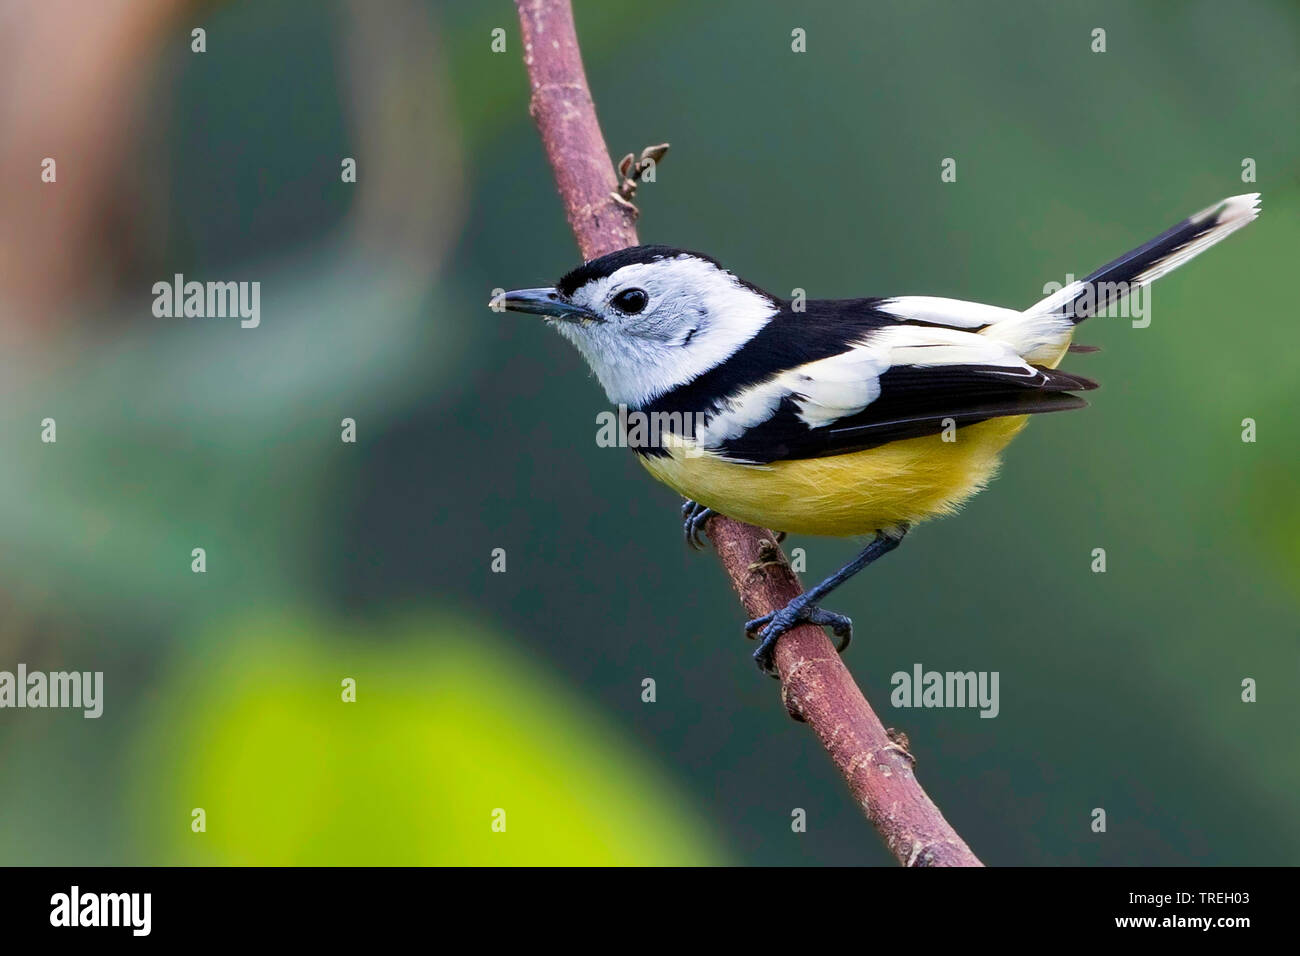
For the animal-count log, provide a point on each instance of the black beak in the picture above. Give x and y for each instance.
(545, 302)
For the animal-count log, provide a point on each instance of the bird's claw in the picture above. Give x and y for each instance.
(695, 517)
(776, 623)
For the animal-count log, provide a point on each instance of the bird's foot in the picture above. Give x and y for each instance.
(694, 518)
(798, 611)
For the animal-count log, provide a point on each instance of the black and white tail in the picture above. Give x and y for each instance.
(1148, 262)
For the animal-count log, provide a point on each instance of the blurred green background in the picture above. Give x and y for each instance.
(521, 691)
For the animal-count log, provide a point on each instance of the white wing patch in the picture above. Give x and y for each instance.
(955, 313)
(1034, 336)
(1037, 338)
(842, 385)
(929, 346)
(836, 387)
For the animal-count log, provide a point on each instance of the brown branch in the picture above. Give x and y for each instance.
(816, 686)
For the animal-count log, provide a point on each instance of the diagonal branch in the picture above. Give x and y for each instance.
(816, 686)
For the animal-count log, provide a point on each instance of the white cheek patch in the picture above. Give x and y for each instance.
(639, 357)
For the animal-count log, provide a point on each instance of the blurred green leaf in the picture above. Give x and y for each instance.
(449, 725)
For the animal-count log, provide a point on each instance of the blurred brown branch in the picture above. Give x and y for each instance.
(73, 75)
(816, 685)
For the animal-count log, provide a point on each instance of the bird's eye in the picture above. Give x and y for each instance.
(630, 301)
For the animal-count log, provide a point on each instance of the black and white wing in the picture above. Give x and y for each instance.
(846, 375)
(886, 379)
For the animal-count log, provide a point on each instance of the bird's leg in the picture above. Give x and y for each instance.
(695, 516)
(804, 609)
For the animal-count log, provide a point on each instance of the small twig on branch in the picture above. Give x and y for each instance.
(816, 686)
(633, 170)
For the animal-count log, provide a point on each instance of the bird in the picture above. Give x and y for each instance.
(831, 417)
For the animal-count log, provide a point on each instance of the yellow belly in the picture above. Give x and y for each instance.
(858, 493)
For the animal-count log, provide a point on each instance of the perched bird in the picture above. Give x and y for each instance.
(843, 417)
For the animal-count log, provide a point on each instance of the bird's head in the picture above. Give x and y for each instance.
(649, 318)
